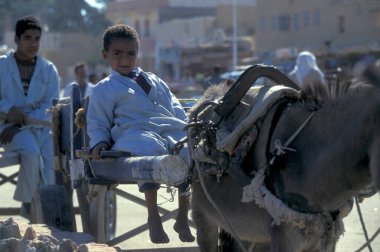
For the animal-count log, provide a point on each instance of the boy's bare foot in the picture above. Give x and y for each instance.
(156, 230)
(184, 232)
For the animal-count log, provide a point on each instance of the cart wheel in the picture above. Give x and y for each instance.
(52, 205)
(110, 214)
(102, 208)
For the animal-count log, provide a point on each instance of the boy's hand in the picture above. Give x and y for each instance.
(16, 116)
(95, 153)
(8, 134)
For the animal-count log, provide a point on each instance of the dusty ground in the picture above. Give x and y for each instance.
(131, 217)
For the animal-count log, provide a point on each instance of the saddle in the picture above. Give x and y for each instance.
(223, 147)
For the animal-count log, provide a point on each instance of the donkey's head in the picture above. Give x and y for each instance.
(371, 73)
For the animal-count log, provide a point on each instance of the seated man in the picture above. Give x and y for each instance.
(134, 111)
(28, 84)
(85, 86)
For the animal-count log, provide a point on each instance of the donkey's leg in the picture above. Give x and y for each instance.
(207, 228)
(284, 239)
(207, 231)
(375, 162)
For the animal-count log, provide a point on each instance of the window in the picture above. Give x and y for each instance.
(341, 24)
(273, 20)
(137, 26)
(306, 18)
(262, 24)
(147, 28)
(317, 18)
(284, 22)
(296, 22)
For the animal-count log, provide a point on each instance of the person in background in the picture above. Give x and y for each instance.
(104, 75)
(149, 129)
(214, 78)
(187, 80)
(306, 70)
(85, 86)
(28, 84)
(93, 78)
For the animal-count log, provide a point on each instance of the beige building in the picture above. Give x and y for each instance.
(284, 28)
(165, 27)
(180, 35)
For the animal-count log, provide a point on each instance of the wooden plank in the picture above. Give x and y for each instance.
(85, 153)
(10, 211)
(9, 158)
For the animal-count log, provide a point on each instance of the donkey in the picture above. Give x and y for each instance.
(295, 200)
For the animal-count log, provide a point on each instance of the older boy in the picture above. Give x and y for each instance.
(28, 83)
(135, 111)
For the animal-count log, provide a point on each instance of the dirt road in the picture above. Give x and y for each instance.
(132, 215)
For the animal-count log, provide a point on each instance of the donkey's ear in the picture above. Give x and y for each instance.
(372, 73)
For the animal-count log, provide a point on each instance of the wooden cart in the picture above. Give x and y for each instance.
(97, 197)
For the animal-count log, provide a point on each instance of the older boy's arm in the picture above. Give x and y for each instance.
(5, 105)
(52, 92)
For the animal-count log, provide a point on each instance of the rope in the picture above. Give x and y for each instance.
(368, 243)
(280, 148)
(80, 120)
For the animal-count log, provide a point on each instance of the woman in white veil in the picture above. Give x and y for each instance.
(306, 70)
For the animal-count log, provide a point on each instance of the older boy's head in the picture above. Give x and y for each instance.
(26, 23)
(119, 31)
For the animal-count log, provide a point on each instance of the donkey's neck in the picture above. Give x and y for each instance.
(332, 159)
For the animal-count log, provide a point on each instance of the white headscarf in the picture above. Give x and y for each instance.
(304, 63)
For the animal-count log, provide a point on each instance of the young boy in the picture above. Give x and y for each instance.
(135, 111)
(28, 83)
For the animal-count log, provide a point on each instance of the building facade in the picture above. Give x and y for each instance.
(283, 28)
(179, 35)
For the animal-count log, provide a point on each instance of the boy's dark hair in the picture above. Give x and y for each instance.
(26, 23)
(119, 31)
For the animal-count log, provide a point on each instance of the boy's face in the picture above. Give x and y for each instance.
(122, 55)
(28, 44)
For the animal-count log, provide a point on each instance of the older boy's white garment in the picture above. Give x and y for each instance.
(34, 142)
(123, 115)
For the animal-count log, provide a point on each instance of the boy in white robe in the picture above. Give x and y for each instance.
(143, 120)
(28, 84)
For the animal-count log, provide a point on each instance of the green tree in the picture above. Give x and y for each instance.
(57, 15)
(74, 15)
